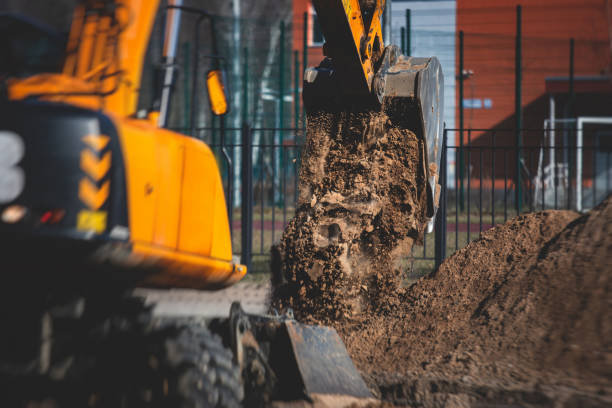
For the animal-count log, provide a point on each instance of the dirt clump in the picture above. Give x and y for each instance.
(520, 316)
(360, 207)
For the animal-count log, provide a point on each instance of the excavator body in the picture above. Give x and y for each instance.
(88, 173)
(98, 197)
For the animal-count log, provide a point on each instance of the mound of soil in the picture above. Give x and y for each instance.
(520, 316)
(361, 206)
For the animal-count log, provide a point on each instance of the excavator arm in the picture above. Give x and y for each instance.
(360, 70)
(353, 39)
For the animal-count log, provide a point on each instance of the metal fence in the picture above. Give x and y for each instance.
(488, 191)
(499, 181)
(260, 175)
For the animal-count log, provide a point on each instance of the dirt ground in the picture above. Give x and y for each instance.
(520, 317)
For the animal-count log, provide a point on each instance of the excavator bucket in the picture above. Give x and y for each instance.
(410, 90)
(417, 84)
(325, 368)
(360, 73)
(297, 361)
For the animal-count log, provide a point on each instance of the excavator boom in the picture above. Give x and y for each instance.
(353, 38)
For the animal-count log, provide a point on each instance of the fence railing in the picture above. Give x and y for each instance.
(260, 172)
(259, 167)
(493, 182)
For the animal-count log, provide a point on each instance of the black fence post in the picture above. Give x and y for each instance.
(461, 166)
(569, 107)
(247, 196)
(440, 227)
(571, 76)
(518, 108)
(229, 196)
(304, 61)
(408, 30)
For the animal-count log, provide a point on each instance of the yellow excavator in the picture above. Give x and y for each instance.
(98, 196)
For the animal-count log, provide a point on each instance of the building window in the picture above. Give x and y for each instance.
(315, 34)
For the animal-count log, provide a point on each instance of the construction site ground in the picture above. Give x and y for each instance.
(252, 295)
(519, 317)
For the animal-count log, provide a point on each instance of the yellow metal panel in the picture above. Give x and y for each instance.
(133, 45)
(208, 272)
(173, 180)
(86, 45)
(139, 146)
(169, 167)
(198, 197)
(341, 18)
(355, 20)
(101, 53)
(73, 40)
(54, 87)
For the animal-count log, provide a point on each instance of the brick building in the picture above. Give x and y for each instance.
(547, 25)
(489, 32)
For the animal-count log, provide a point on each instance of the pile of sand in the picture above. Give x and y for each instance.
(522, 315)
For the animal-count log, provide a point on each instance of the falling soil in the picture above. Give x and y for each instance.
(360, 208)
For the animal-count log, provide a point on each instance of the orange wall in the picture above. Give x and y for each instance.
(490, 29)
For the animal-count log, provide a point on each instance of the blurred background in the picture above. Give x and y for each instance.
(528, 102)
